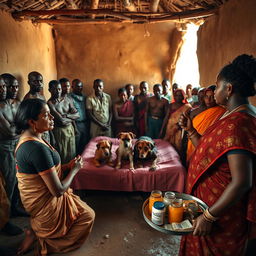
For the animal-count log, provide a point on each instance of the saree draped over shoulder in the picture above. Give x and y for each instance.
(202, 121)
(208, 177)
(61, 224)
(173, 131)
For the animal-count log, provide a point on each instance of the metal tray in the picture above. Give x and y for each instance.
(161, 228)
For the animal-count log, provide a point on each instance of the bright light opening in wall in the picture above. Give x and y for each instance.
(187, 65)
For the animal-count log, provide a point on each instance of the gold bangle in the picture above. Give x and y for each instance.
(208, 216)
(208, 220)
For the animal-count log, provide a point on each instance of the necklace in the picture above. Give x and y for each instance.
(238, 108)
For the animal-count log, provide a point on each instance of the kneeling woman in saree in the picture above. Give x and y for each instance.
(60, 220)
(222, 168)
(170, 127)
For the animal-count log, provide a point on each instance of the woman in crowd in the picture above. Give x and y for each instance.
(201, 104)
(195, 98)
(189, 93)
(173, 132)
(207, 117)
(130, 90)
(60, 221)
(221, 170)
(123, 113)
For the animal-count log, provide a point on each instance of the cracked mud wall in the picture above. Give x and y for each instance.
(223, 37)
(117, 53)
(25, 47)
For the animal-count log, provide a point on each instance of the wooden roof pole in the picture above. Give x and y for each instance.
(140, 20)
(154, 5)
(178, 15)
(94, 6)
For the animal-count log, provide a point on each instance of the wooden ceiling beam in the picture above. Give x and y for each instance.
(187, 14)
(152, 18)
(154, 5)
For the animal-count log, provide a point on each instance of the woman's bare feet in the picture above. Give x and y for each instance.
(28, 241)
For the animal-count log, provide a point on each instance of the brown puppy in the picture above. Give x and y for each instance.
(145, 150)
(124, 150)
(103, 153)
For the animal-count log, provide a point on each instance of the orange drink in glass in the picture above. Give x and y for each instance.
(175, 211)
(156, 195)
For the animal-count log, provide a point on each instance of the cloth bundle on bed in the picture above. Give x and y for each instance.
(169, 176)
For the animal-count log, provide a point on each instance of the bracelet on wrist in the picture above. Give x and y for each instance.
(208, 220)
(208, 216)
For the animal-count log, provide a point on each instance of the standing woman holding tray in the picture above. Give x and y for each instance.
(222, 168)
(60, 220)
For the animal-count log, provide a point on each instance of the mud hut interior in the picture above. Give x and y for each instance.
(120, 42)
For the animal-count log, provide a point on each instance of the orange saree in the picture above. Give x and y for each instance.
(61, 224)
(202, 121)
(208, 177)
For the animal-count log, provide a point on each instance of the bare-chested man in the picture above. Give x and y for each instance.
(64, 113)
(35, 81)
(156, 110)
(8, 142)
(65, 86)
(5, 225)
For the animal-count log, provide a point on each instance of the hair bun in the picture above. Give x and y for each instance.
(246, 63)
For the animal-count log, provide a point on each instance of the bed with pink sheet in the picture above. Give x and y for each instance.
(169, 176)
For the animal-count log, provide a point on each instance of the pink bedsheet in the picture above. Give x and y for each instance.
(169, 176)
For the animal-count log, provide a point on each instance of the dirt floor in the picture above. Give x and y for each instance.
(119, 229)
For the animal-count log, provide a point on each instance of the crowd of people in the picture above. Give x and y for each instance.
(212, 128)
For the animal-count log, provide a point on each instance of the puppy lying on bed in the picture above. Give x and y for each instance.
(103, 153)
(145, 150)
(124, 150)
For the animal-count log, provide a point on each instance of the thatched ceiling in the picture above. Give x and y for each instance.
(103, 11)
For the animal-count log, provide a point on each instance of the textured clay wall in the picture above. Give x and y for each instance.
(222, 37)
(117, 53)
(25, 47)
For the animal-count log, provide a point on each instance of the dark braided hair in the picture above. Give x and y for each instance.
(241, 73)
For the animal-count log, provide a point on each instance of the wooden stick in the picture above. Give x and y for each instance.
(154, 5)
(129, 6)
(95, 4)
(71, 4)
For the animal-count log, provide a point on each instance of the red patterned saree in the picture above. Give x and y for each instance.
(208, 177)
